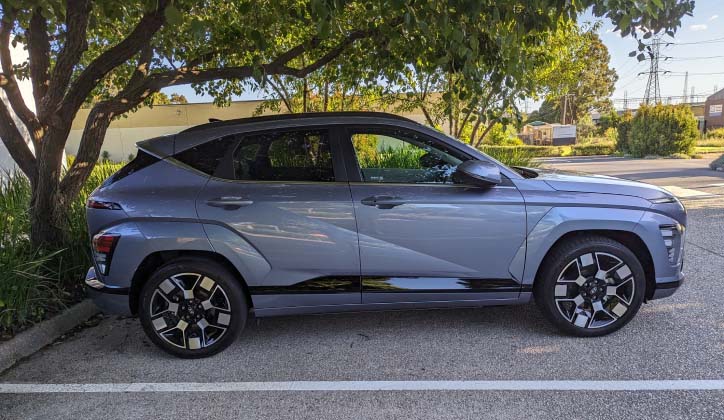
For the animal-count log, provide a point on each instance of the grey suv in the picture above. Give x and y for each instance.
(338, 212)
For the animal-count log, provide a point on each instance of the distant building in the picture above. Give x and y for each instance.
(713, 115)
(541, 133)
(148, 122)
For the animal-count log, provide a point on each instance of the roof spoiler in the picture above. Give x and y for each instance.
(161, 147)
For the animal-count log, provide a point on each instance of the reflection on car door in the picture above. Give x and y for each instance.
(423, 238)
(281, 192)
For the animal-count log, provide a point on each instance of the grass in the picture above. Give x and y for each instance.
(709, 149)
(37, 283)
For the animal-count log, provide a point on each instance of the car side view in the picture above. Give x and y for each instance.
(334, 212)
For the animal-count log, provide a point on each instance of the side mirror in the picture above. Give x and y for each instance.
(477, 172)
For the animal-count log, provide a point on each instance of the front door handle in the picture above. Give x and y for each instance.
(229, 203)
(383, 201)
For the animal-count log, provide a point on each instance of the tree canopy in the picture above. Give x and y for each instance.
(114, 55)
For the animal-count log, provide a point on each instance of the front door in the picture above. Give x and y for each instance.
(423, 238)
(281, 192)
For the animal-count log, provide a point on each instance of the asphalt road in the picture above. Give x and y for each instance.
(681, 337)
(684, 173)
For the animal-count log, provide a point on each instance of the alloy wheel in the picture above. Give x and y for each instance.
(190, 311)
(594, 290)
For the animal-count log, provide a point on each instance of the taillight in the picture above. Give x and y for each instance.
(103, 246)
(103, 205)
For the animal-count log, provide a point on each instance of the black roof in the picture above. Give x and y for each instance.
(283, 117)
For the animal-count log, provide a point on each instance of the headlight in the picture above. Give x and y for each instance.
(664, 200)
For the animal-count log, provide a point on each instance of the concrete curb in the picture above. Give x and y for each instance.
(30, 341)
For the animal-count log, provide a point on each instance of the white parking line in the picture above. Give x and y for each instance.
(564, 385)
(685, 192)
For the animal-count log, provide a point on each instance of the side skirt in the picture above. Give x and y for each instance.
(397, 306)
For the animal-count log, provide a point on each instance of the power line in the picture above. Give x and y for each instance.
(704, 41)
(711, 57)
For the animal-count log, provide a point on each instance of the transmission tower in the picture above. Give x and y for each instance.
(686, 87)
(653, 91)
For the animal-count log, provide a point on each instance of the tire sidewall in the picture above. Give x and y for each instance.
(222, 277)
(545, 290)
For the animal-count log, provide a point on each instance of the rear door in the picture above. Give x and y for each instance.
(422, 237)
(286, 194)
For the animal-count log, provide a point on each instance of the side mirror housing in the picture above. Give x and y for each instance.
(477, 172)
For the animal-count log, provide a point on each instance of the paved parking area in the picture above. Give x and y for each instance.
(679, 338)
(679, 175)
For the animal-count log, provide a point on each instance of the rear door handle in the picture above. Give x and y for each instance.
(382, 201)
(229, 203)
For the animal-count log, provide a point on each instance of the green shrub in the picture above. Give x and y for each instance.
(623, 131)
(533, 151)
(663, 130)
(717, 133)
(593, 149)
(502, 136)
(36, 283)
(512, 155)
(29, 283)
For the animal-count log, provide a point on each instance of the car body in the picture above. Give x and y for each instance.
(347, 230)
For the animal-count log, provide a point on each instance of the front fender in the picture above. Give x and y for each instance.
(559, 221)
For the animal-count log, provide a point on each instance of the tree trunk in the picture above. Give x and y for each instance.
(48, 209)
(48, 217)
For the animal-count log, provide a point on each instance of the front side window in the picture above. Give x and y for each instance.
(399, 156)
(302, 155)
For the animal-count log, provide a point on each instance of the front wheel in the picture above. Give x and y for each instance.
(590, 286)
(192, 308)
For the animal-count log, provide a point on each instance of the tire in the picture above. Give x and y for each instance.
(590, 304)
(192, 308)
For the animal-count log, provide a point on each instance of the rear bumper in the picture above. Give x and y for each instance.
(666, 289)
(110, 300)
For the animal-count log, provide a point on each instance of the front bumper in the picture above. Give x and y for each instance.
(668, 288)
(110, 300)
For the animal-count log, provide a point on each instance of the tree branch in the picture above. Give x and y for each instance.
(139, 88)
(15, 143)
(38, 56)
(10, 84)
(282, 94)
(76, 21)
(141, 35)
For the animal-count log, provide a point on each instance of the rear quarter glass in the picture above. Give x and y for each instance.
(142, 160)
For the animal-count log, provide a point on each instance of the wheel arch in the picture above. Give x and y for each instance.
(156, 259)
(629, 239)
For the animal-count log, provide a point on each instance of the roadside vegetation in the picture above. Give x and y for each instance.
(36, 283)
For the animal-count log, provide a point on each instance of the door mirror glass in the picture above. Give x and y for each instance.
(477, 172)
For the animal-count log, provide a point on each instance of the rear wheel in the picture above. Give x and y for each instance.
(192, 308)
(590, 286)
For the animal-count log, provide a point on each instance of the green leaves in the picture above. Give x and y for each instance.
(173, 15)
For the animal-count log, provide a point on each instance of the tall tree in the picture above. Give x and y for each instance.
(123, 52)
(589, 82)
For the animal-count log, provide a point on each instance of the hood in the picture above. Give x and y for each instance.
(602, 184)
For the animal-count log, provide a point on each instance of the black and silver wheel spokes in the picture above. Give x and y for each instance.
(594, 290)
(190, 311)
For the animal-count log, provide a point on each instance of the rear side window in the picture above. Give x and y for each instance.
(142, 160)
(301, 155)
(208, 157)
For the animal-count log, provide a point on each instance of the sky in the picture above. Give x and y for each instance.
(698, 48)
